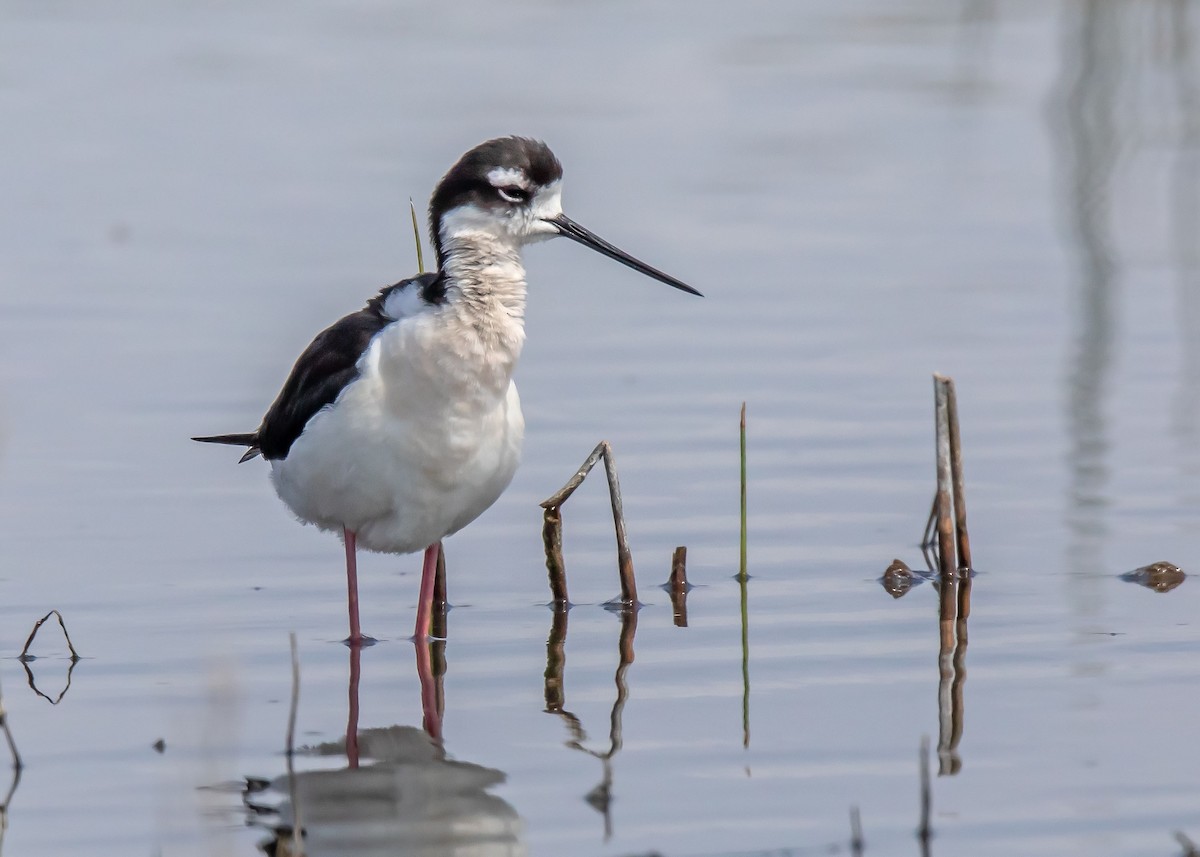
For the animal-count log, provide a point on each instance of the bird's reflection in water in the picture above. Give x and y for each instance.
(398, 793)
(405, 798)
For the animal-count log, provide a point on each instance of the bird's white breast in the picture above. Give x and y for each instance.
(422, 442)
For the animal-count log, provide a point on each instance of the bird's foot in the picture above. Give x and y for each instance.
(361, 641)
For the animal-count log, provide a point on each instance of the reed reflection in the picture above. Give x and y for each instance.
(1089, 141)
(16, 771)
(1186, 218)
(599, 797)
(1126, 99)
(954, 609)
(26, 657)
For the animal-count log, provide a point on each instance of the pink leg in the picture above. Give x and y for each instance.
(356, 637)
(425, 605)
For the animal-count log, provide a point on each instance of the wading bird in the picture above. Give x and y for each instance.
(400, 424)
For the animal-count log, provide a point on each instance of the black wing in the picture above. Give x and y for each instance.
(325, 368)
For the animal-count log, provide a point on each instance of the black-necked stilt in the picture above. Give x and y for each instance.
(400, 424)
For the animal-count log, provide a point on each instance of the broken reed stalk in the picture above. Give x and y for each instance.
(945, 525)
(678, 580)
(677, 586)
(949, 502)
(25, 656)
(962, 540)
(742, 444)
(552, 526)
(555, 565)
(856, 834)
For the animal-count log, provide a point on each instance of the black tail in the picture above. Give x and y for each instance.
(250, 440)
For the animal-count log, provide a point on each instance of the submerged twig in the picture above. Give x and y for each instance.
(925, 830)
(856, 834)
(25, 656)
(552, 532)
(12, 745)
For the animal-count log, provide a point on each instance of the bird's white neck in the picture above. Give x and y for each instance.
(485, 284)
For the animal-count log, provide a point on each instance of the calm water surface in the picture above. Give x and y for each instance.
(867, 192)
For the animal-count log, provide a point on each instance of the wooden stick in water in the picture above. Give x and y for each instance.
(624, 556)
(678, 586)
(963, 542)
(945, 524)
(37, 626)
(556, 567)
(678, 580)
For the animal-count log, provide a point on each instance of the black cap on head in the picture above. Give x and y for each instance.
(467, 180)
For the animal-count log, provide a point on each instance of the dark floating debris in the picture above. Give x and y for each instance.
(1159, 576)
(677, 586)
(159, 746)
(898, 578)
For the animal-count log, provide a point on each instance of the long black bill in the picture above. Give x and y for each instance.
(568, 227)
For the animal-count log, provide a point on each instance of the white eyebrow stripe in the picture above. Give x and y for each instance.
(507, 176)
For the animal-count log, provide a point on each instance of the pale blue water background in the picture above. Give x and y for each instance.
(866, 192)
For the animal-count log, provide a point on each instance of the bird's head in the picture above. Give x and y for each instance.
(510, 189)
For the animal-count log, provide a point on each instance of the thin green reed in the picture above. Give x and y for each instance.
(417, 237)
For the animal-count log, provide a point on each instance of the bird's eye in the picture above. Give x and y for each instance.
(513, 193)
